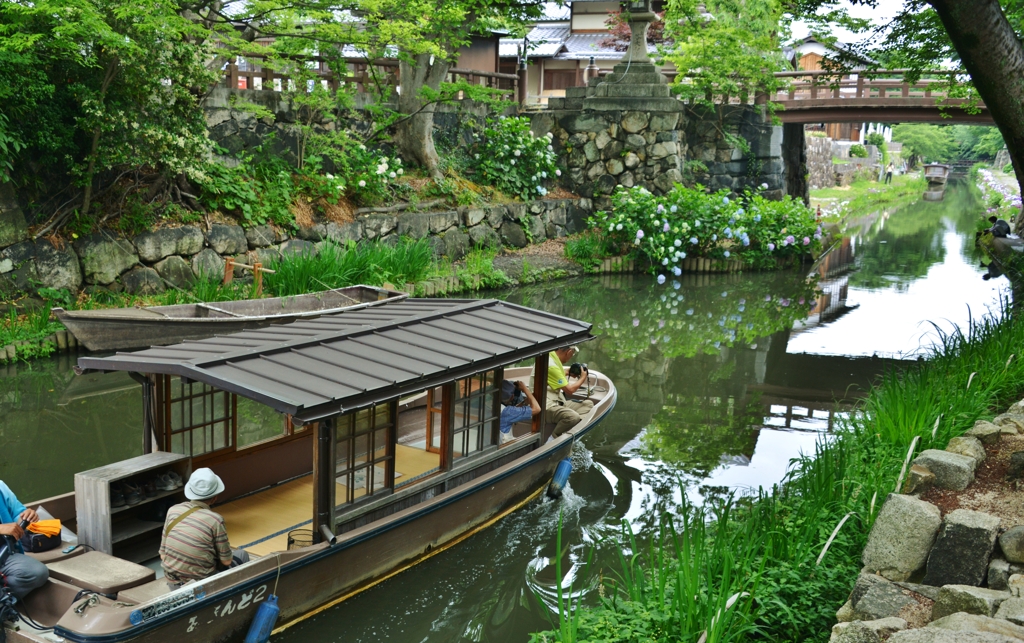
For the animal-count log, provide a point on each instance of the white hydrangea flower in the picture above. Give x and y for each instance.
(362, 184)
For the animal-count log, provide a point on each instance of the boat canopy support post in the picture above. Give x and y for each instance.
(150, 441)
(540, 391)
(323, 479)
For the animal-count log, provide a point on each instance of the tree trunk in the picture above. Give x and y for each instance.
(414, 135)
(994, 58)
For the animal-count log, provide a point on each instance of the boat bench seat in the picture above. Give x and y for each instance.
(147, 591)
(52, 556)
(101, 573)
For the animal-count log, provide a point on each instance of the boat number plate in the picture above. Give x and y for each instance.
(230, 606)
(164, 605)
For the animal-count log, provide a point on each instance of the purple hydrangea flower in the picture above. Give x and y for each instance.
(807, 241)
(771, 247)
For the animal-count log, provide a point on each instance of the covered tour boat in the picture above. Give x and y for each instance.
(115, 329)
(384, 449)
(936, 173)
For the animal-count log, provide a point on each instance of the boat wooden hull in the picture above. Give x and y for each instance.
(128, 328)
(314, 578)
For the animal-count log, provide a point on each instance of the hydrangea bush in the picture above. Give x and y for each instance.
(689, 222)
(512, 159)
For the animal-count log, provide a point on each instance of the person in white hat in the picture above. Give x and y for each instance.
(195, 542)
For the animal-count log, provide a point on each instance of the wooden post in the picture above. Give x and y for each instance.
(522, 84)
(323, 478)
(229, 270)
(232, 76)
(540, 390)
(860, 86)
(257, 272)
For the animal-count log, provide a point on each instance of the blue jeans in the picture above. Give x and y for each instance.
(23, 574)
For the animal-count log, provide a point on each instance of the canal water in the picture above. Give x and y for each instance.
(722, 380)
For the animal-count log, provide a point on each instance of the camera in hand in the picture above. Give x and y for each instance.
(576, 370)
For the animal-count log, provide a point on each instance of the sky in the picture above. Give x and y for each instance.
(885, 10)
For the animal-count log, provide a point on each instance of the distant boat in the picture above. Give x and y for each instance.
(143, 326)
(936, 173)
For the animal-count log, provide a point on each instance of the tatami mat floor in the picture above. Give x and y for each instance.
(287, 506)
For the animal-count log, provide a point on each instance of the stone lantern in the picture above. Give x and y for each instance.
(641, 15)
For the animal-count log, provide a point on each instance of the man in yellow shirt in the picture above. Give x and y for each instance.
(564, 412)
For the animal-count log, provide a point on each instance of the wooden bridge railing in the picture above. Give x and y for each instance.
(365, 74)
(874, 86)
(880, 85)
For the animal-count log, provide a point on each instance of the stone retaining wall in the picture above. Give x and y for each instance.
(152, 261)
(929, 571)
(819, 163)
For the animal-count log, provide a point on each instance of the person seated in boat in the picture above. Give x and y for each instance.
(20, 573)
(564, 412)
(517, 405)
(195, 541)
(999, 227)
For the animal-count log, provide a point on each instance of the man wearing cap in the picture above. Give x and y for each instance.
(517, 405)
(195, 541)
(564, 412)
(19, 573)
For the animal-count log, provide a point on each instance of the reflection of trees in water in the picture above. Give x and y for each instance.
(56, 424)
(695, 434)
(902, 246)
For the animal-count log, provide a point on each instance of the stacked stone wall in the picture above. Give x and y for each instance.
(712, 136)
(605, 149)
(819, 162)
(174, 257)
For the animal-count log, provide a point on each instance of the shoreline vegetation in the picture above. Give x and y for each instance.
(836, 203)
(777, 565)
(749, 232)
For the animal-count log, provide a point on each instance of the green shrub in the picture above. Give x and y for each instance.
(1008, 168)
(515, 161)
(858, 152)
(689, 221)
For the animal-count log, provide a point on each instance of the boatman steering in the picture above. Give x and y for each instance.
(564, 412)
(195, 540)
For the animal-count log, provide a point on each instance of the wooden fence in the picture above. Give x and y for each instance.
(366, 75)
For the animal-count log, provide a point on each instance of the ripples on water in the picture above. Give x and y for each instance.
(722, 381)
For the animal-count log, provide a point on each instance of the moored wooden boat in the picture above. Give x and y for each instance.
(124, 328)
(390, 437)
(936, 173)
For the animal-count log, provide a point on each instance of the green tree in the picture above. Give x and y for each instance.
(426, 36)
(116, 84)
(922, 141)
(984, 36)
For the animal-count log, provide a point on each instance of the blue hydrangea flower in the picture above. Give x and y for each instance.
(673, 209)
(661, 279)
(726, 254)
(693, 240)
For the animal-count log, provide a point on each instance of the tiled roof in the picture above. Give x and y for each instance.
(544, 42)
(554, 12)
(581, 46)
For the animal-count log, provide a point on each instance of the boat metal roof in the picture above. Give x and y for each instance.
(316, 368)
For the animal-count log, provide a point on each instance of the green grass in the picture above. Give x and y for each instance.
(336, 266)
(867, 195)
(674, 584)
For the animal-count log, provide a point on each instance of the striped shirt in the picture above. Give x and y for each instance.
(193, 549)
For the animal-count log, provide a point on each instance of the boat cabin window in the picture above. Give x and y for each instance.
(476, 411)
(209, 424)
(363, 453)
(421, 427)
(200, 417)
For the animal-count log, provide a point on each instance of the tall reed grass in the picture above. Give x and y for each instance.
(338, 265)
(765, 554)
